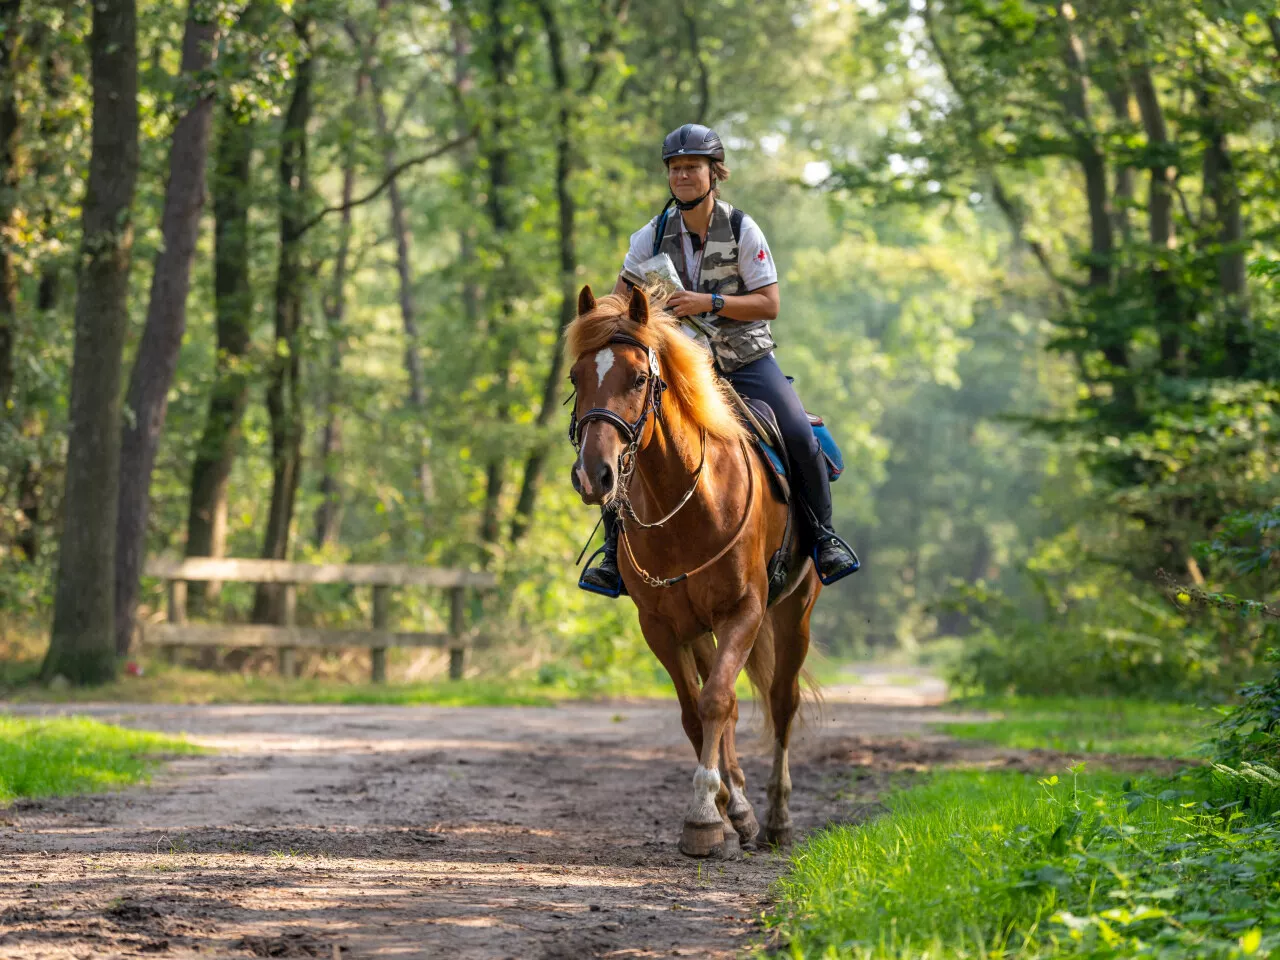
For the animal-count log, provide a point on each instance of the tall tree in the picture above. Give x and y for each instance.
(157, 357)
(568, 96)
(329, 512)
(233, 312)
(9, 35)
(82, 644)
(499, 49)
(404, 273)
(284, 387)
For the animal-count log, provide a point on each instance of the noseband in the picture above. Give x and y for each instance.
(631, 432)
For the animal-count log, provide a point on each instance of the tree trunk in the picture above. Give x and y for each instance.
(568, 270)
(233, 309)
(329, 513)
(284, 391)
(1094, 166)
(8, 193)
(157, 357)
(412, 357)
(1224, 225)
(1170, 323)
(501, 50)
(46, 165)
(82, 643)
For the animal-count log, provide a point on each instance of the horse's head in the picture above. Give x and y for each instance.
(619, 388)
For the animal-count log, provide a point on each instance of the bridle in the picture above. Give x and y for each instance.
(632, 433)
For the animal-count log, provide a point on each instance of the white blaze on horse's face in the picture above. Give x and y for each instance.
(604, 363)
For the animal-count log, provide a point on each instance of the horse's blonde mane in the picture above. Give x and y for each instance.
(696, 397)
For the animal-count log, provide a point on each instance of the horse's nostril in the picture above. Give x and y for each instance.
(604, 475)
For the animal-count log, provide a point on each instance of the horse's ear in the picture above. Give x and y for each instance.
(586, 300)
(639, 309)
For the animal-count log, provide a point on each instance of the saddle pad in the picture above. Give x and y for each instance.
(771, 446)
(768, 445)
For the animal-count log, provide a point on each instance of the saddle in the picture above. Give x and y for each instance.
(763, 423)
(759, 416)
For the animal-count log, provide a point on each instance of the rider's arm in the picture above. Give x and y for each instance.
(759, 304)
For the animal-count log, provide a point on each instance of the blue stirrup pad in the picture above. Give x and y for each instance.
(830, 451)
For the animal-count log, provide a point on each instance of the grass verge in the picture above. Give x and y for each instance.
(1001, 864)
(49, 757)
(1077, 725)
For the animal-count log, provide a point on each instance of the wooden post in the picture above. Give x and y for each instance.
(457, 619)
(288, 656)
(381, 620)
(177, 601)
(177, 614)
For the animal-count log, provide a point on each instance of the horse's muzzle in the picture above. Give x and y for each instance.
(594, 484)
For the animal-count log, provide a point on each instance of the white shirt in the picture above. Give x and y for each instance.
(755, 262)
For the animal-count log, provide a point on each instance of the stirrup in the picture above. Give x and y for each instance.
(593, 588)
(843, 571)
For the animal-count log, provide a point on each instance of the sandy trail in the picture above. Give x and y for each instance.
(426, 832)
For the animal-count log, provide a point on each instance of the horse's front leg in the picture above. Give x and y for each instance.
(738, 807)
(707, 825)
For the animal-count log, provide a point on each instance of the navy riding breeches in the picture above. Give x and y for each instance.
(763, 380)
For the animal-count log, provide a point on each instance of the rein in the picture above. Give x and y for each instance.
(632, 434)
(653, 581)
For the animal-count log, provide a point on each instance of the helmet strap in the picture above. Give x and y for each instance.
(692, 204)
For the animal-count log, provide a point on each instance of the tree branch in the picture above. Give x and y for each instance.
(388, 178)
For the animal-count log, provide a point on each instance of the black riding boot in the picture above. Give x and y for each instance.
(604, 577)
(833, 558)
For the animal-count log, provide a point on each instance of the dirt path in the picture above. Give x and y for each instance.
(424, 832)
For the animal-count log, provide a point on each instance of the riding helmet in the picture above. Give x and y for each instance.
(692, 140)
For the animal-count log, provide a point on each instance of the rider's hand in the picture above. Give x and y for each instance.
(684, 303)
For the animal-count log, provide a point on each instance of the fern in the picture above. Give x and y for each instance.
(1255, 785)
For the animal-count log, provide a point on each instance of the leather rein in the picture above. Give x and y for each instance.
(632, 433)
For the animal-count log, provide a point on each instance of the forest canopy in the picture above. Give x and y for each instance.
(288, 279)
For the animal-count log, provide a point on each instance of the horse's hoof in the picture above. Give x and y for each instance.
(746, 826)
(702, 839)
(731, 847)
(777, 836)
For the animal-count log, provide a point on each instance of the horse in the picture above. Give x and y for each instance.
(659, 440)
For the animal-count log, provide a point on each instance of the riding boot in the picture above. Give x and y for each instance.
(604, 578)
(832, 556)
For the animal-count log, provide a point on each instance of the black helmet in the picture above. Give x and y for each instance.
(692, 140)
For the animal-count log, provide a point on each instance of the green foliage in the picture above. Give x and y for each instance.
(1251, 729)
(1002, 865)
(46, 757)
(1073, 725)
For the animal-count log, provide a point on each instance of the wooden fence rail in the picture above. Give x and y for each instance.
(287, 637)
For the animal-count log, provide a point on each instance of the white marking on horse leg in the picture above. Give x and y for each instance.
(706, 784)
(604, 363)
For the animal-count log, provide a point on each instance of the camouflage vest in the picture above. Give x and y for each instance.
(737, 342)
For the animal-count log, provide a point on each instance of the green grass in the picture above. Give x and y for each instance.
(1001, 864)
(48, 757)
(1076, 725)
(164, 684)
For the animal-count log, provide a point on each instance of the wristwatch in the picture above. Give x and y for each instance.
(717, 303)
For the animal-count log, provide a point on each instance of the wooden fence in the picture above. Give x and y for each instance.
(288, 637)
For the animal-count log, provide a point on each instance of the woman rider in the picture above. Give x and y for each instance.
(731, 284)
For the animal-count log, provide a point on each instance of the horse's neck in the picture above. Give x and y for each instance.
(666, 469)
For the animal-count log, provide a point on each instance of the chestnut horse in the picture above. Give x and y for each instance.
(659, 441)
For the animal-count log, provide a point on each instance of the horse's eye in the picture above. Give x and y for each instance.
(640, 381)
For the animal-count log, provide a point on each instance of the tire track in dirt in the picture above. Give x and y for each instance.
(427, 832)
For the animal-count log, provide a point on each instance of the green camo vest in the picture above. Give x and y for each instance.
(737, 342)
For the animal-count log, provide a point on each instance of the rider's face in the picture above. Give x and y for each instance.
(690, 177)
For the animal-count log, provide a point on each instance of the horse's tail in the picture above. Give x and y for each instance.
(760, 673)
